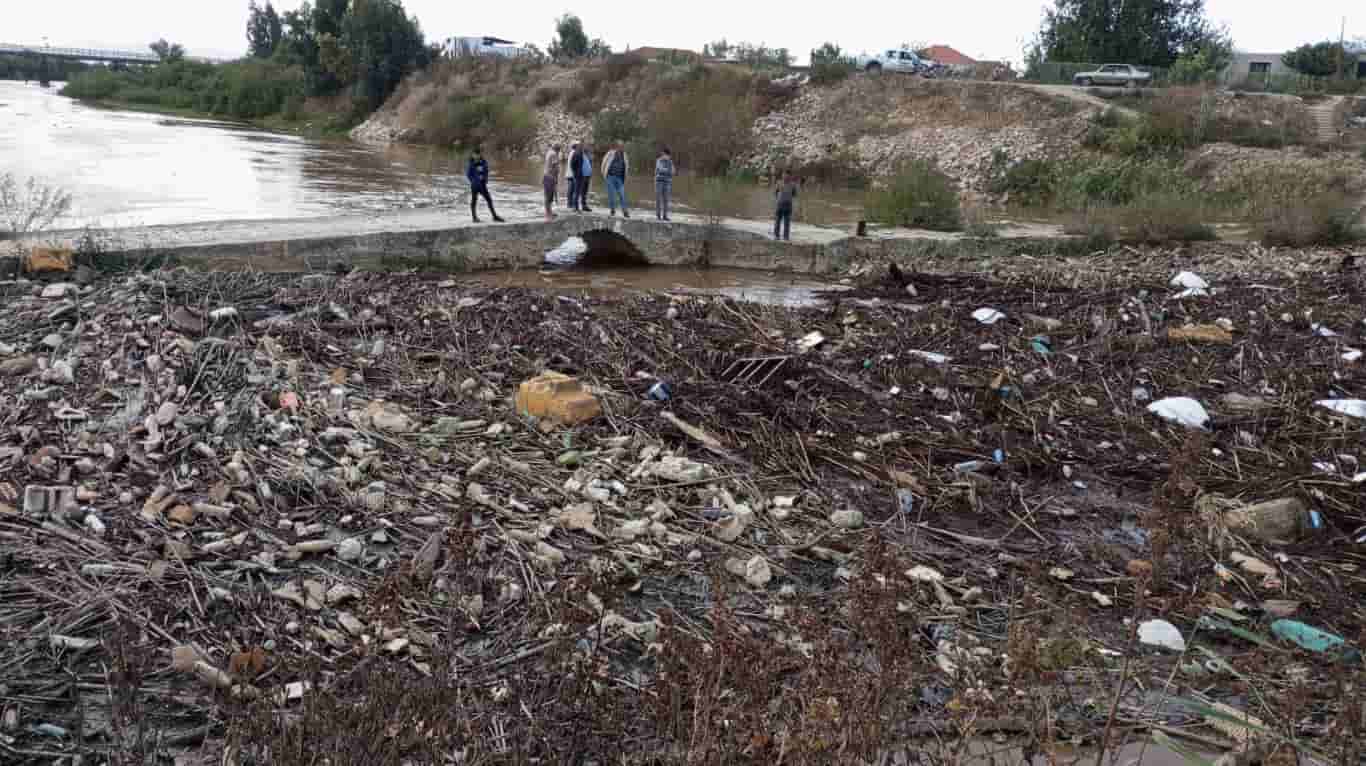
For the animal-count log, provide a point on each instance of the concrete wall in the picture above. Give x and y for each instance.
(523, 245)
(1241, 67)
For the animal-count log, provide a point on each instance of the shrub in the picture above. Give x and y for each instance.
(1093, 226)
(619, 66)
(1326, 218)
(709, 126)
(544, 97)
(842, 169)
(1117, 181)
(29, 207)
(1108, 117)
(496, 122)
(613, 125)
(918, 196)
(1164, 216)
(1032, 182)
(583, 98)
(829, 65)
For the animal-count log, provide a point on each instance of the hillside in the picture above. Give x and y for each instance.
(722, 119)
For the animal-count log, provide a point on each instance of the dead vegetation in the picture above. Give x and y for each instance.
(307, 524)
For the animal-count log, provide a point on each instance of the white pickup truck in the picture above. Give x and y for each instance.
(1113, 74)
(893, 60)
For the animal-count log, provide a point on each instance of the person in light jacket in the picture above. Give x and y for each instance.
(615, 166)
(477, 172)
(551, 179)
(664, 183)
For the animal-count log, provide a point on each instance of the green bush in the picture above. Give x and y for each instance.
(1109, 117)
(95, 85)
(1118, 181)
(829, 65)
(917, 196)
(612, 125)
(493, 122)
(1162, 216)
(1326, 218)
(1031, 182)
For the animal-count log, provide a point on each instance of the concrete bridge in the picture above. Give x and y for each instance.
(433, 239)
(90, 54)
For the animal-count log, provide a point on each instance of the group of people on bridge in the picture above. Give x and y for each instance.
(577, 169)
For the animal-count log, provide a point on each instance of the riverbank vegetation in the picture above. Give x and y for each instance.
(29, 206)
(336, 60)
(39, 69)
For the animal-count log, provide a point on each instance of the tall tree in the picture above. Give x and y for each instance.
(1146, 32)
(168, 53)
(265, 30)
(1320, 59)
(570, 40)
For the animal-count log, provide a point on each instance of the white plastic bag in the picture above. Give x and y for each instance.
(1183, 410)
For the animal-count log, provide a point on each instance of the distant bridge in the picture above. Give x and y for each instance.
(91, 54)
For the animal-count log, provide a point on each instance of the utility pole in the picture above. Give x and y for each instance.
(1342, 49)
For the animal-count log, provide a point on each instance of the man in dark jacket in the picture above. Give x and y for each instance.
(576, 185)
(478, 174)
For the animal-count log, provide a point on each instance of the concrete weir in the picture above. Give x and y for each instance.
(431, 239)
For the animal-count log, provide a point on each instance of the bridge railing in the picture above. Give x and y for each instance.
(80, 53)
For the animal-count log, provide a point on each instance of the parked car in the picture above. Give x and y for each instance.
(1126, 75)
(894, 60)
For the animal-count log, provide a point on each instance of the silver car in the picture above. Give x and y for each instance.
(1124, 75)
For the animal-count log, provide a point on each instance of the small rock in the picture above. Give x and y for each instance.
(1139, 568)
(58, 290)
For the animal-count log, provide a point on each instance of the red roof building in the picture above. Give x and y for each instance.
(947, 56)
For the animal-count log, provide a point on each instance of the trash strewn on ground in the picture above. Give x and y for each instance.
(225, 496)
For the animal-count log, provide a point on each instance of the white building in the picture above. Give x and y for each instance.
(484, 45)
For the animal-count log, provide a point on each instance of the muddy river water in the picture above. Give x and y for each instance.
(127, 168)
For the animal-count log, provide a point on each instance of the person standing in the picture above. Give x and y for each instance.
(477, 171)
(550, 180)
(664, 183)
(575, 176)
(615, 166)
(786, 194)
(585, 178)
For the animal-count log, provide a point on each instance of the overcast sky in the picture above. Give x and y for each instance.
(984, 29)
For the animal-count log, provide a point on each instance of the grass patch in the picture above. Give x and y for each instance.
(918, 196)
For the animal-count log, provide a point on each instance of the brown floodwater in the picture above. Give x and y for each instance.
(126, 168)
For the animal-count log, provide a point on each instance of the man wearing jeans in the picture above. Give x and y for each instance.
(664, 183)
(786, 194)
(615, 167)
(575, 176)
(586, 179)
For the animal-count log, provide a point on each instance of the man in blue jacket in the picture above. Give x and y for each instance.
(478, 174)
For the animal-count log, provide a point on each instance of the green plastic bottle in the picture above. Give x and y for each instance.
(1313, 639)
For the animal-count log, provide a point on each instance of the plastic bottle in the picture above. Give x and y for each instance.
(1313, 639)
(1275, 520)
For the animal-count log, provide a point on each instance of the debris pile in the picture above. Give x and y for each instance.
(262, 485)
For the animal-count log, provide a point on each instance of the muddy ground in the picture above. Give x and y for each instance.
(306, 524)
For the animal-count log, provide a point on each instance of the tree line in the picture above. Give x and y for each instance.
(1174, 34)
(354, 51)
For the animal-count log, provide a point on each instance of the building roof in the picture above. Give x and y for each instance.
(947, 56)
